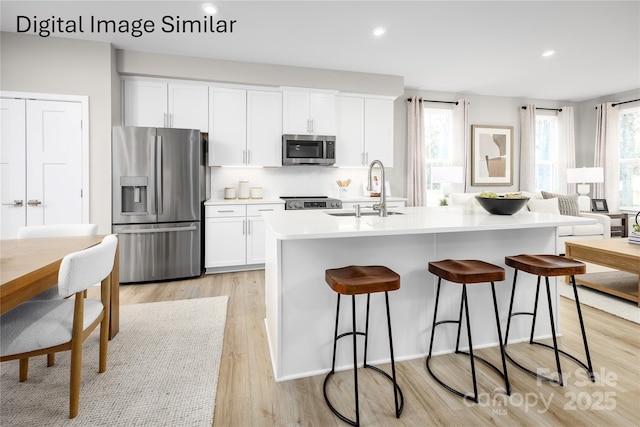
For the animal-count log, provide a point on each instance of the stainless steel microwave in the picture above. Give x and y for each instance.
(308, 150)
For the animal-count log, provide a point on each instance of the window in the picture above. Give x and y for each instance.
(629, 127)
(438, 137)
(546, 153)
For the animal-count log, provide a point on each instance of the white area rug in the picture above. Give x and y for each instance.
(617, 306)
(162, 370)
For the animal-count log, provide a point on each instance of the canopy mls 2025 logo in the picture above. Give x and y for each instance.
(135, 27)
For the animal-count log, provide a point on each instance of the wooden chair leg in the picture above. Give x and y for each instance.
(24, 369)
(76, 356)
(51, 359)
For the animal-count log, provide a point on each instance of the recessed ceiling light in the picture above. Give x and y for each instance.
(209, 8)
(379, 31)
(548, 53)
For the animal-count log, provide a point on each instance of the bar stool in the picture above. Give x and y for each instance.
(357, 280)
(467, 272)
(547, 265)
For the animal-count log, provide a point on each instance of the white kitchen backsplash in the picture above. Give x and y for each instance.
(290, 180)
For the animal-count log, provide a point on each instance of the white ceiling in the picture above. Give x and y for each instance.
(474, 47)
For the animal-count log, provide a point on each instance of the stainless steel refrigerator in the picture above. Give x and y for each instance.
(158, 188)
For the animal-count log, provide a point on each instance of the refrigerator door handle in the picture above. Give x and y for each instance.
(157, 230)
(159, 175)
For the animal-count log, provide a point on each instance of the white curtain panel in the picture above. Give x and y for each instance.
(461, 138)
(607, 155)
(528, 148)
(416, 156)
(566, 150)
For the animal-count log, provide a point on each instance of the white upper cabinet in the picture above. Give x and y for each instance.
(158, 103)
(308, 113)
(228, 124)
(246, 127)
(264, 128)
(364, 131)
(188, 107)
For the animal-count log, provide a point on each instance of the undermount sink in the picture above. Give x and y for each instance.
(367, 213)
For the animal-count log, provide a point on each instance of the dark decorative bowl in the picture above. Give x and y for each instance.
(502, 205)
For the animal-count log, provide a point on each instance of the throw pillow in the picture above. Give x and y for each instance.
(568, 204)
(544, 205)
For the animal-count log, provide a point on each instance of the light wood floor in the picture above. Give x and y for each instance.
(248, 396)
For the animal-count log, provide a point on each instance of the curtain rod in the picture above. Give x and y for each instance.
(441, 102)
(625, 102)
(524, 107)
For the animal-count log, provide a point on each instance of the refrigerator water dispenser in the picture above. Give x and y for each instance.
(134, 194)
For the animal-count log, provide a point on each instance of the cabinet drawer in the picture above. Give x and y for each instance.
(217, 211)
(256, 210)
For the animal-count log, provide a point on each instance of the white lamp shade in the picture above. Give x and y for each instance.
(585, 175)
(446, 174)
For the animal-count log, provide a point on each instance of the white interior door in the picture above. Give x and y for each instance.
(12, 167)
(54, 163)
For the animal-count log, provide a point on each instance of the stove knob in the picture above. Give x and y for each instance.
(298, 205)
(334, 204)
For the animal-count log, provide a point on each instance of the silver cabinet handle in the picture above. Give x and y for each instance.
(157, 230)
(164, 121)
(244, 227)
(15, 203)
(34, 202)
(244, 157)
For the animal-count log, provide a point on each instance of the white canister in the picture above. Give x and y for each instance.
(230, 192)
(244, 191)
(256, 192)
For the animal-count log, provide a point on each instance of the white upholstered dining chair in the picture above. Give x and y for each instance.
(55, 230)
(44, 326)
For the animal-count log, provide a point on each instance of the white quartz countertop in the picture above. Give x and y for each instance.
(311, 224)
(212, 202)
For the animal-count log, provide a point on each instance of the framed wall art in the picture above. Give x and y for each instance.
(491, 155)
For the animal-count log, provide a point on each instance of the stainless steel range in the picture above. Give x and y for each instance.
(311, 202)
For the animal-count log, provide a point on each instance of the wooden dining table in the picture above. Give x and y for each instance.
(30, 266)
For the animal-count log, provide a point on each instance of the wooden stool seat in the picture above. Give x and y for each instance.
(466, 271)
(546, 265)
(356, 280)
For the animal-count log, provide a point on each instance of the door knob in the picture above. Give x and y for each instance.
(34, 202)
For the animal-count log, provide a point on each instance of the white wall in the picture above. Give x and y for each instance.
(69, 67)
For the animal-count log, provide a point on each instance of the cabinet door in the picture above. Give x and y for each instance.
(322, 111)
(225, 242)
(378, 130)
(189, 107)
(349, 131)
(227, 127)
(255, 240)
(54, 162)
(145, 103)
(12, 167)
(295, 110)
(264, 128)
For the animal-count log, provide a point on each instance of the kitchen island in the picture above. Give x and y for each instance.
(300, 306)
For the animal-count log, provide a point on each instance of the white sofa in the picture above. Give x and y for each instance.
(600, 230)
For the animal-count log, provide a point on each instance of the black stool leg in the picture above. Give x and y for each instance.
(507, 386)
(435, 316)
(584, 335)
(355, 358)
(513, 292)
(471, 358)
(335, 337)
(393, 363)
(535, 311)
(553, 331)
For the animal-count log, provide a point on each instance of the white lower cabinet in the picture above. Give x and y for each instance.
(234, 235)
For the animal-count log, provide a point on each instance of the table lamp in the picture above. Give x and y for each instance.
(583, 177)
(445, 176)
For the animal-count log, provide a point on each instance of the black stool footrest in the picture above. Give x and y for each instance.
(542, 377)
(366, 366)
(459, 393)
